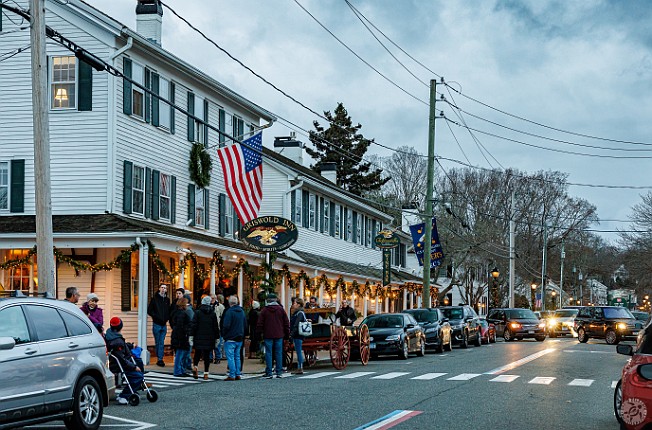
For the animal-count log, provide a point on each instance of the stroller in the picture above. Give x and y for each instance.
(121, 379)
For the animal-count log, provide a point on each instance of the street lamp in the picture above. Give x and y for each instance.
(494, 296)
(534, 288)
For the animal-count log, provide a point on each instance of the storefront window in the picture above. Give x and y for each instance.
(19, 276)
(134, 280)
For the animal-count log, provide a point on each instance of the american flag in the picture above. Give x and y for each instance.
(242, 165)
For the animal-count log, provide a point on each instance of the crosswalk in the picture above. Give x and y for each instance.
(165, 380)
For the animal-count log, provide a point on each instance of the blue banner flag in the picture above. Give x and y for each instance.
(418, 235)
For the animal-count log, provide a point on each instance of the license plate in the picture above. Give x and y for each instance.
(634, 333)
(530, 332)
(372, 345)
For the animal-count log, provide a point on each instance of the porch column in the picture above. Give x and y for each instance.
(405, 303)
(283, 295)
(419, 302)
(353, 300)
(321, 295)
(143, 277)
(365, 306)
(338, 297)
(301, 288)
(386, 300)
(240, 286)
(213, 280)
(182, 273)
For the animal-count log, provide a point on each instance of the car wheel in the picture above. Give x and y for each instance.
(422, 350)
(405, 352)
(492, 338)
(88, 406)
(611, 338)
(540, 338)
(478, 339)
(582, 336)
(465, 340)
(618, 401)
(552, 334)
(508, 336)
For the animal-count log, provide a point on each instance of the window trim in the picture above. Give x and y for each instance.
(199, 206)
(135, 89)
(326, 214)
(163, 107)
(8, 185)
(51, 83)
(161, 197)
(312, 211)
(140, 190)
(229, 218)
(338, 221)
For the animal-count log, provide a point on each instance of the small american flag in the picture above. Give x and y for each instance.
(242, 165)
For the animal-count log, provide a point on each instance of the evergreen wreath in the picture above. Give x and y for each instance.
(200, 165)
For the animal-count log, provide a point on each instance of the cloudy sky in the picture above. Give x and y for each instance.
(582, 67)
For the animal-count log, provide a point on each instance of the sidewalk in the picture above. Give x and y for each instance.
(253, 366)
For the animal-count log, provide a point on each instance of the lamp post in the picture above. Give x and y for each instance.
(554, 299)
(532, 293)
(494, 295)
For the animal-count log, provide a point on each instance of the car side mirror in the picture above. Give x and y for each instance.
(444, 320)
(627, 350)
(409, 326)
(7, 343)
(645, 371)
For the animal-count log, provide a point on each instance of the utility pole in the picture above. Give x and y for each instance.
(543, 267)
(561, 274)
(429, 189)
(44, 240)
(512, 252)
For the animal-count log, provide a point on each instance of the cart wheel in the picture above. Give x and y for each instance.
(134, 400)
(152, 396)
(311, 358)
(364, 344)
(340, 348)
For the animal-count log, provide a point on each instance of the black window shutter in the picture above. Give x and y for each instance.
(191, 203)
(331, 228)
(127, 185)
(320, 206)
(222, 126)
(304, 208)
(237, 225)
(17, 203)
(125, 286)
(191, 122)
(206, 209)
(234, 128)
(85, 91)
(155, 102)
(126, 86)
(148, 192)
(354, 230)
(222, 207)
(293, 204)
(172, 110)
(173, 199)
(240, 129)
(156, 200)
(373, 233)
(148, 96)
(206, 123)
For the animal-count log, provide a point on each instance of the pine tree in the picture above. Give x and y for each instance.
(341, 143)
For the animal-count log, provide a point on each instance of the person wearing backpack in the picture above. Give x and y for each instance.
(298, 316)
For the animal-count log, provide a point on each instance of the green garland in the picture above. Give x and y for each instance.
(200, 165)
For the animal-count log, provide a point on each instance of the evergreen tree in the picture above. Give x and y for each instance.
(342, 144)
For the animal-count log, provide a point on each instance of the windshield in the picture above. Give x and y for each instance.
(641, 316)
(566, 313)
(425, 316)
(617, 313)
(385, 321)
(521, 314)
(484, 323)
(453, 313)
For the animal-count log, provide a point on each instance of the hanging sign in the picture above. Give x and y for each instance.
(418, 236)
(387, 267)
(386, 239)
(269, 234)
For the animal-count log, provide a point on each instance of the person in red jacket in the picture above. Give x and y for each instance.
(274, 325)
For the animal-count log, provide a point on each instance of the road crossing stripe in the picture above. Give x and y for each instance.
(613, 384)
(391, 375)
(520, 362)
(389, 420)
(318, 375)
(428, 376)
(504, 378)
(176, 380)
(464, 377)
(173, 384)
(581, 382)
(542, 380)
(354, 375)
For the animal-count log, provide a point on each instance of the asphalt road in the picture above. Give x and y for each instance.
(500, 386)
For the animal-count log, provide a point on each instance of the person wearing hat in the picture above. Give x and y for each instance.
(94, 312)
(121, 351)
(274, 325)
(254, 336)
(159, 310)
(234, 328)
(205, 334)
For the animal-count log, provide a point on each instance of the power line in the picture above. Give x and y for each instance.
(11, 54)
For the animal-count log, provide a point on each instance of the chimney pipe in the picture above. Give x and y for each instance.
(329, 171)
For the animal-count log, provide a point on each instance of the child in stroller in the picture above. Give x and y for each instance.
(124, 363)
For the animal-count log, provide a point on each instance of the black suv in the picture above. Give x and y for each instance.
(465, 324)
(611, 323)
(517, 323)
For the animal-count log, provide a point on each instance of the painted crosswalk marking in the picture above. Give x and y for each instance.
(464, 377)
(504, 378)
(354, 375)
(391, 375)
(319, 375)
(581, 382)
(542, 380)
(428, 376)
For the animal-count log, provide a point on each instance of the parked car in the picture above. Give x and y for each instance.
(435, 326)
(641, 316)
(398, 334)
(611, 323)
(487, 331)
(465, 324)
(53, 364)
(516, 324)
(562, 322)
(633, 394)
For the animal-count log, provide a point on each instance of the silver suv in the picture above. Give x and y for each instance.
(53, 365)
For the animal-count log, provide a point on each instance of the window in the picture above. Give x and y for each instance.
(199, 126)
(312, 208)
(228, 217)
(358, 229)
(164, 108)
(63, 93)
(47, 322)
(165, 195)
(238, 128)
(200, 210)
(133, 280)
(19, 276)
(4, 185)
(338, 221)
(326, 213)
(137, 95)
(138, 190)
(13, 324)
(349, 225)
(297, 207)
(76, 327)
(368, 232)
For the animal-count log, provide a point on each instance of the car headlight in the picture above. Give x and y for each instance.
(515, 325)
(621, 326)
(542, 325)
(393, 337)
(458, 326)
(430, 330)
(551, 322)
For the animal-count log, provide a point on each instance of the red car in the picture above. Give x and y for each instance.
(487, 331)
(633, 394)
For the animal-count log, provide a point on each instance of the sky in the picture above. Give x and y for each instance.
(581, 67)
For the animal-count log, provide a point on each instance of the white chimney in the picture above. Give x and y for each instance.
(329, 171)
(149, 20)
(409, 216)
(289, 147)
